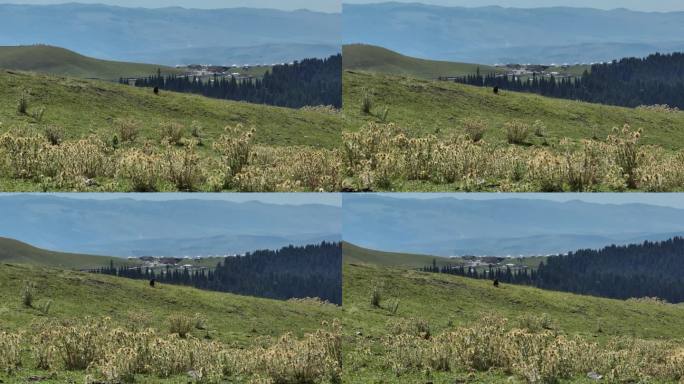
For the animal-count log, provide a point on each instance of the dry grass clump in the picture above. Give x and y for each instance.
(234, 162)
(475, 128)
(517, 132)
(533, 352)
(126, 129)
(315, 358)
(282, 169)
(184, 167)
(234, 148)
(172, 132)
(113, 354)
(382, 156)
(181, 325)
(141, 168)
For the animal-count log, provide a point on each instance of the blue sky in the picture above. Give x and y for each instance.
(335, 5)
(640, 5)
(673, 200)
(316, 5)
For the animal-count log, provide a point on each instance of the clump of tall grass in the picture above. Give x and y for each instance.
(517, 132)
(380, 155)
(126, 129)
(23, 102)
(367, 101)
(474, 128)
(111, 353)
(53, 134)
(172, 132)
(533, 352)
(28, 294)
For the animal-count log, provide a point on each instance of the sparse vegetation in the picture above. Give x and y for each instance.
(367, 101)
(455, 329)
(172, 132)
(233, 163)
(474, 129)
(23, 102)
(386, 157)
(54, 134)
(126, 129)
(116, 354)
(535, 354)
(28, 294)
(181, 325)
(517, 132)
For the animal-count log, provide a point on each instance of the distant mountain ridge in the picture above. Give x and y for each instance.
(505, 227)
(127, 227)
(174, 35)
(491, 35)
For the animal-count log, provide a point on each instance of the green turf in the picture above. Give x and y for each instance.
(357, 255)
(438, 107)
(236, 321)
(16, 252)
(447, 301)
(63, 62)
(84, 106)
(377, 59)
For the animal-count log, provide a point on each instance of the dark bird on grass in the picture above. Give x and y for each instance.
(152, 283)
(496, 283)
(156, 90)
(496, 90)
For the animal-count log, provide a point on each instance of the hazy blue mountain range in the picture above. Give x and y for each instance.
(127, 227)
(506, 227)
(491, 35)
(174, 35)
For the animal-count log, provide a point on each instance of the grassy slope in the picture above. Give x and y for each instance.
(233, 319)
(83, 106)
(13, 251)
(357, 255)
(60, 61)
(424, 107)
(445, 300)
(376, 59)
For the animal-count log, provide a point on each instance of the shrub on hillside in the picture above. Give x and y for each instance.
(53, 134)
(474, 129)
(172, 132)
(127, 129)
(181, 325)
(517, 132)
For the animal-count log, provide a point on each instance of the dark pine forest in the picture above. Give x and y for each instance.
(650, 269)
(310, 82)
(290, 272)
(630, 82)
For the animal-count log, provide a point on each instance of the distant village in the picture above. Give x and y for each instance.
(493, 261)
(529, 70)
(186, 262)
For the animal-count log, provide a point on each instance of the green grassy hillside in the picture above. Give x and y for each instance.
(361, 57)
(446, 302)
(232, 320)
(175, 133)
(16, 252)
(85, 106)
(429, 107)
(63, 62)
(357, 255)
